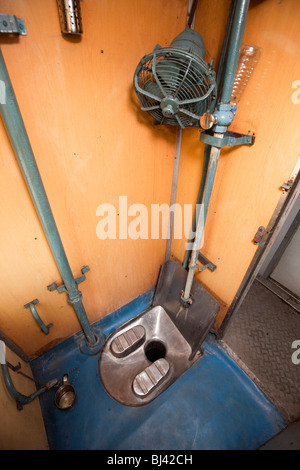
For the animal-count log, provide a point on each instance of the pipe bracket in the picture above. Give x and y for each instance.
(62, 288)
(206, 263)
(185, 302)
(230, 139)
(75, 297)
(31, 305)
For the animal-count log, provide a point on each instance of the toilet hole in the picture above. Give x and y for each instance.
(155, 350)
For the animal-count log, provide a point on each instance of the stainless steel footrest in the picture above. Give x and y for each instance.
(128, 341)
(150, 377)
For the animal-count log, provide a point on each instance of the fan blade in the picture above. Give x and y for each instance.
(169, 73)
(153, 90)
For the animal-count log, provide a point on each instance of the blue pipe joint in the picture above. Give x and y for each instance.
(224, 115)
(74, 296)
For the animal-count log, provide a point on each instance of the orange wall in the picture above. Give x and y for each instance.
(248, 180)
(91, 144)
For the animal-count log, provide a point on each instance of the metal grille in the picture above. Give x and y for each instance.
(179, 76)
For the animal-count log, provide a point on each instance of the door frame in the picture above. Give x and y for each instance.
(289, 196)
(264, 277)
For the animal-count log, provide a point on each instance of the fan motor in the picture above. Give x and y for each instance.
(174, 84)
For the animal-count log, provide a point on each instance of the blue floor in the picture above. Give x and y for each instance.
(213, 406)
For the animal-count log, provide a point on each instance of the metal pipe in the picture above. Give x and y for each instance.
(224, 52)
(234, 47)
(174, 190)
(198, 202)
(190, 24)
(191, 20)
(14, 124)
(220, 77)
(19, 397)
(23, 399)
(236, 36)
(191, 14)
(211, 173)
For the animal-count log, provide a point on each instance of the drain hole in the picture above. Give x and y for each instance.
(155, 350)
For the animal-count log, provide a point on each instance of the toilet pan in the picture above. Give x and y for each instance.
(143, 357)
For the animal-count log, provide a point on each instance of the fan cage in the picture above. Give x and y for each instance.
(185, 79)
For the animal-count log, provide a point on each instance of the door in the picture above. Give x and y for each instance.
(281, 270)
(287, 271)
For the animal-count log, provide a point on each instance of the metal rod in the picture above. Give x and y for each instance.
(174, 190)
(14, 124)
(211, 173)
(199, 201)
(191, 20)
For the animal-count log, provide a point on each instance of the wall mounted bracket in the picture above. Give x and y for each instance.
(10, 24)
(230, 139)
(206, 263)
(62, 288)
(14, 368)
(31, 305)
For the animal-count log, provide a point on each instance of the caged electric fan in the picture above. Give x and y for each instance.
(174, 84)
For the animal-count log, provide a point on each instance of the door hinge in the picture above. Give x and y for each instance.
(287, 185)
(257, 240)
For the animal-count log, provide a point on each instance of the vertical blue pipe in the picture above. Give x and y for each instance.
(234, 47)
(224, 52)
(14, 124)
(236, 29)
(227, 69)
